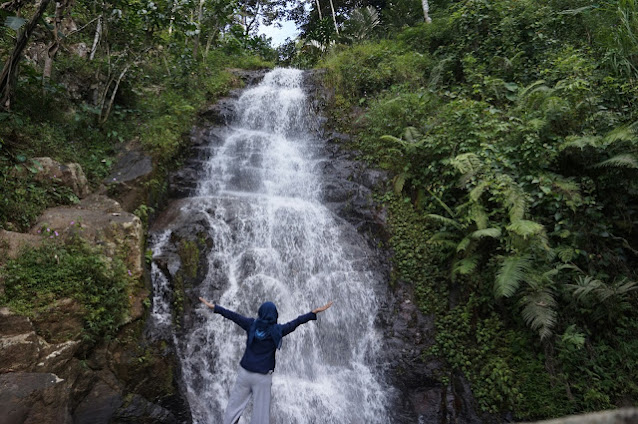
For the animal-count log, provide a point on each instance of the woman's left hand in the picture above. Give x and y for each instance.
(323, 308)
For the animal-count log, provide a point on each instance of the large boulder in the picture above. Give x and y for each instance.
(69, 174)
(102, 222)
(19, 343)
(12, 243)
(133, 167)
(30, 398)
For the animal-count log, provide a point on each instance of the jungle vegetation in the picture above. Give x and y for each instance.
(510, 130)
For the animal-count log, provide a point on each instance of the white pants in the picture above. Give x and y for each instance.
(247, 384)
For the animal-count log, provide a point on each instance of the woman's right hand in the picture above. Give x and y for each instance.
(210, 305)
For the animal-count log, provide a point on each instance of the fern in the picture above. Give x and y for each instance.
(513, 270)
(526, 228)
(476, 193)
(465, 266)
(487, 232)
(412, 135)
(463, 244)
(580, 142)
(539, 311)
(516, 202)
(444, 220)
(399, 181)
(467, 164)
(622, 133)
(479, 216)
(623, 160)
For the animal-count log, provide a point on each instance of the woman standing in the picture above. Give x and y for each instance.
(255, 374)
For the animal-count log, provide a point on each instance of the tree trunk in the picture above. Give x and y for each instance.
(96, 38)
(319, 9)
(105, 114)
(54, 46)
(200, 17)
(9, 71)
(334, 16)
(426, 11)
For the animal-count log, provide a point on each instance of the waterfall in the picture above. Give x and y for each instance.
(274, 240)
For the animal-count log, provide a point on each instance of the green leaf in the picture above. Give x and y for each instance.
(513, 270)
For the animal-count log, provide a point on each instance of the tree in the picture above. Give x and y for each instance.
(426, 11)
(9, 73)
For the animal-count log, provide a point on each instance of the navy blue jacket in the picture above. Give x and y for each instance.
(259, 357)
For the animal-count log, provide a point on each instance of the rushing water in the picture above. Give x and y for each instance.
(274, 240)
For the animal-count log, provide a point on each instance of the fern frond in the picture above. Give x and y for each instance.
(442, 203)
(622, 133)
(479, 216)
(513, 270)
(445, 239)
(465, 266)
(539, 312)
(487, 232)
(539, 85)
(399, 181)
(467, 164)
(516, 202)
(525, 228)
(393, 139)
(623, 160)
(463, 244)
(444, 220)
(565, 253)
(412, 135)
(476, 192)
(580, 142)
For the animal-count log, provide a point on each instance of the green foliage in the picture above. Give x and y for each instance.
(512, 152)
(39, 277)
(23, 196)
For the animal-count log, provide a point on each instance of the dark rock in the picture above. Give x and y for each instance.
(133, 167)
(141, 411)
(99, 406)
(220, 113)
(130, 166)
(27, 397)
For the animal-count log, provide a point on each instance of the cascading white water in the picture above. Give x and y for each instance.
(274, 240)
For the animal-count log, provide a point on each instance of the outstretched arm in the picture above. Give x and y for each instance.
(289, 327)
(238, 319)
